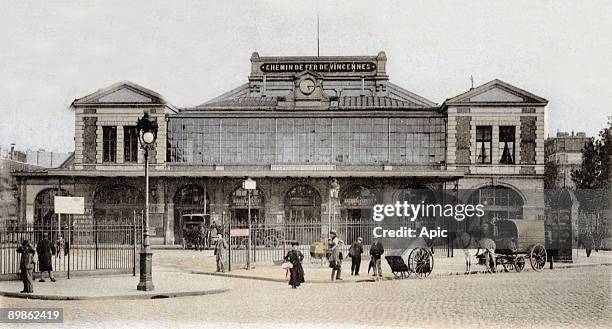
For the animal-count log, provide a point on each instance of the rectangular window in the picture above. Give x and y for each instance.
(483, 144)
(109, 144)
(506, 144)
(130, 144)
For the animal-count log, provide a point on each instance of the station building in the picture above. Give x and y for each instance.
(298, 126)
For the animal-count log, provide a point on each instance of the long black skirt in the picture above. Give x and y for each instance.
(296, 275)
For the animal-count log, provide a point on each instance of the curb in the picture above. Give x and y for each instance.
(259, 278)
(115, 297)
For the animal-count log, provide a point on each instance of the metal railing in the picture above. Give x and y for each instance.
(271, 241)
(78, 248)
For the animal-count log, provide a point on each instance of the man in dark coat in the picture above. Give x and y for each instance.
(355, 252)
(45, 249)
(376, 251)
(27, 266)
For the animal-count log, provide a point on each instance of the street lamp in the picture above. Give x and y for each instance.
(147, 134)
(249, 185)
(334, 188)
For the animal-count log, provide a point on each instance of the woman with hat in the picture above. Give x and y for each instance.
(295, 257)
(45, 249)
(335, 258)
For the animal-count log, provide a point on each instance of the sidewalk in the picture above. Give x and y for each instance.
(200, 263)
(168, 283)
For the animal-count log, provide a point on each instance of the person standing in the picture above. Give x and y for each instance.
(376, 251)
(335, 260)
(220, 248)
(296, 272)
(27, 266)
(45, 249)
(355, 253)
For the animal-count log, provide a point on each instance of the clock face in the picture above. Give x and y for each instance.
(307, 86)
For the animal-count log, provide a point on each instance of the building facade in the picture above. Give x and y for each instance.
(299, 126)
(566, 151)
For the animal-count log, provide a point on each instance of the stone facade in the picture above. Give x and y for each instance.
(298, 123)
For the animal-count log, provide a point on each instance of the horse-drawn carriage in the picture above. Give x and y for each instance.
(516, 242)
(196, 232)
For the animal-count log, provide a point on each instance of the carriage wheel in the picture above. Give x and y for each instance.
(519, 263)
(537, 257)
(421, 262)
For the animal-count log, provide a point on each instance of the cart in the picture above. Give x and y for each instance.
(416, 259)
(518, 242)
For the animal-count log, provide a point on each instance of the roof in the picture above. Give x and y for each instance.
(496, 93)
(244, 102)
(123, 92)
(369, 102)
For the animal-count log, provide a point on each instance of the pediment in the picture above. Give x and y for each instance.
(125, 95)
(307, 73)
(122, 93)
(497, 92)
(496, 95)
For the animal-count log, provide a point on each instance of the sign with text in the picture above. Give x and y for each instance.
(319, 67)
(239, 232)
(69, 205)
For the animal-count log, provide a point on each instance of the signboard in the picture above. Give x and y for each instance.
(319, 67)
(239, 232)
(69, 205)
(249, 184)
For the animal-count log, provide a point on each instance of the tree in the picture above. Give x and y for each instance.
(593, 176)
(551, 174)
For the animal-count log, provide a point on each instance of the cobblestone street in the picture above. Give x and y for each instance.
(573, 297)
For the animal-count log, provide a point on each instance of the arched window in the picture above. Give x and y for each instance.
(303, 205)
(356, 202)
(417, 194)
(239, 207)
(189, 199)
(44, 211)
(499, 202)
(117, 204)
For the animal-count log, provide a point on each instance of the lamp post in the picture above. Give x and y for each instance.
(334, 188)
(249, 185)
(147, 134)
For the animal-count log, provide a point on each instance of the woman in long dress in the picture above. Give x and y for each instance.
(295, 257)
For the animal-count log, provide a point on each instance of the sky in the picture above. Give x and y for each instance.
(191, 51)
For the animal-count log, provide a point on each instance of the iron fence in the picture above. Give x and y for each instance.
(270, 242)
(77, 248)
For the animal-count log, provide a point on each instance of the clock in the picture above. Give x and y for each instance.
(307, 86)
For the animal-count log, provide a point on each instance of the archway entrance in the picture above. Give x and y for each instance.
(117, 204)
(499, 202)
(189, 199)
(303, 205)
(45, 218)
(356, 202)
(239, 208)
(303, 214)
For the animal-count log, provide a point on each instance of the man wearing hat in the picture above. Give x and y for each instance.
(27, 266)
(355, 252)
(45, 249)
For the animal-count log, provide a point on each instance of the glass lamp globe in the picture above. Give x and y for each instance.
(148, 137)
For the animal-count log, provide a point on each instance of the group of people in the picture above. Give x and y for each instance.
(335, 257)
(45, 249)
